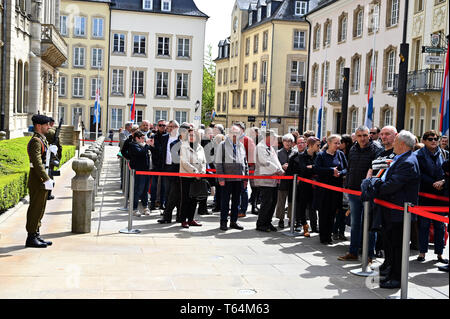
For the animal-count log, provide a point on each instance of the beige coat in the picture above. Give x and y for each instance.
(192, 161)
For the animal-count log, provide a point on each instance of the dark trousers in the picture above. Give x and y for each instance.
(141, 185)
(254, 197)
(339, 223)
(268, 204)
(154, 190)
(174, 198)
(38, 201)
(188, 204)
(231, 189)
(424, 235)
(218, 196)
(394, 234)
(304, 200)
(243, 206)
(331, 202)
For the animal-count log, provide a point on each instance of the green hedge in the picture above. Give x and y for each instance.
(15, 167)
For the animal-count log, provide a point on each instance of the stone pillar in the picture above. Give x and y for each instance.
(2, 135)
(82, 188)
(34, 84)
(93, 158)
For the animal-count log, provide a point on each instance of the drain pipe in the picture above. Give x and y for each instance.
(308, 74)
(3, 65)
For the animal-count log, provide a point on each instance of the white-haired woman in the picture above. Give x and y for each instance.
(331, 167)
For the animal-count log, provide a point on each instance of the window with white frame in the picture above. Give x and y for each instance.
(62, 113)
(315, 86)
(326, 72)
(96, 83)
(294, 101)
(119, 43)
(359, 23)
(139, 116)
(265, 40)
(163, 46)
(166, 5)
(246, 73)
(162, 84)
(263, 72)
(340, 74)
(411, 120)
(139, 46)
(343, 29)
(244, 99)
(62, 85)
(219, 100)
(313, 121)
(299, 39)
(253, 99)
(250, 18)
(161, 115)
(301, 7)
(388, 117)
(97, 27)
(422, 121)
(255, 71)
(97, 58)
(181, 116)
(117, 81)
(269, 9)
(147, 4)
(224, 101)
(183, 47)
(324, 122)
(116, 118)
(78, 87)
(297, 71)
(262, 100)
(79, 55)
(79, 26)
(390, 69)
(327, 35)
(259, 14)
(137, 82)
(255, 43)
(317, 37)
(353, 120)
(434, 118)
(375, 23)
(394, 12)
(182, 85)
(356, 74)
(63, 21)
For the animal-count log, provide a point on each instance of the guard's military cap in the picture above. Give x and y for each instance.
(52, 120)
(40, 119)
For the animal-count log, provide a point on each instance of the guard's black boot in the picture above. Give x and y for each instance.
(33, 242)
(47, 242)
(50, 196)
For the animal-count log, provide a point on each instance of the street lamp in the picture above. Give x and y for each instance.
(197, 106)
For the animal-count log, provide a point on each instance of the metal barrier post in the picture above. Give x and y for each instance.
(405, 251)
(292, 232)
(366, 271)
(127, 187)
(130, 229)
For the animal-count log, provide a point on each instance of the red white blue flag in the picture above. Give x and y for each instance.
(97, 107)
(319, 120)
(445, 101)
(133, 109)
(369, 113)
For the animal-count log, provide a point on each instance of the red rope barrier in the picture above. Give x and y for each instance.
(435, 209)
(429, 215)
(213, 175)
(103, 142)
(442, 198)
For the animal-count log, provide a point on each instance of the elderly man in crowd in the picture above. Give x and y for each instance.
(145, 129)
(231, 160)
(283, 156)
(122, 138)
(399, 185)
(267, 164)
(159, 154)
(359, 161)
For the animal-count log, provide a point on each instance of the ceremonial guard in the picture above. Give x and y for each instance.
(39, 183)
(52, 138)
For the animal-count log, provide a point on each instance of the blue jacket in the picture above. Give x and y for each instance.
(140, 158)
(401, 184)
(430, 169)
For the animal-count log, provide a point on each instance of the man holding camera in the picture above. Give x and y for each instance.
(39, 183)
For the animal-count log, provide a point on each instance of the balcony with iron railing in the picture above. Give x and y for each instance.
(335, 96)
(54, 49)
(418, 81)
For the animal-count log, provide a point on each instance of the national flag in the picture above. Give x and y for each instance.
(444, 123)
(133, 109)
(97, 107)
(369, 112)
(319, 120)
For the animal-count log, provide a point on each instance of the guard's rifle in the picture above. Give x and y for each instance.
(52, 157)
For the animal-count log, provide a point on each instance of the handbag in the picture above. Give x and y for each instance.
(198, 189)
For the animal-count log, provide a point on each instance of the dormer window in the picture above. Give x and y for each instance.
(147, 4)
(166, 5)
(300, 8)
(250, 18)
(259, 13)
(269, 9)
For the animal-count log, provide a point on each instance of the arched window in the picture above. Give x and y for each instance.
(19, 87)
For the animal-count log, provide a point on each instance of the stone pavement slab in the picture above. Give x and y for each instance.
(167, 262)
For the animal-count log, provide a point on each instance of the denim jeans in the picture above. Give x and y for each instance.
(243, 206)
(357, 217)
(424, 235)
(141, 185)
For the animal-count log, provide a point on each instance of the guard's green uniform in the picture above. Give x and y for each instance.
(37, 150)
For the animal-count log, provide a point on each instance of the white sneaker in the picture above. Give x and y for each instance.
(137, 213)
(146, 211)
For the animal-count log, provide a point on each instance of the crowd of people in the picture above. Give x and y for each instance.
(380, 163)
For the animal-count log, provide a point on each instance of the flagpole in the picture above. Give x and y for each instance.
(97, 111)
(371, 86)
(322, 95)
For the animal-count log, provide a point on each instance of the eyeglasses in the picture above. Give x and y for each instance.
(431, 139)
(162, 125)
(373, 133)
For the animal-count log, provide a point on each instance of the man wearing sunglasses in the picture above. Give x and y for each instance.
(432, 181)
(159, 154)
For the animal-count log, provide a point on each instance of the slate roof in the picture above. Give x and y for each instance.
(179, 7)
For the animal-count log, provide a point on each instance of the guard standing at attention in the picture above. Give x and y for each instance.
(50, 136)
(39, 183)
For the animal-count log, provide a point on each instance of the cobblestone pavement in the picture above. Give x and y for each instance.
(166, 261)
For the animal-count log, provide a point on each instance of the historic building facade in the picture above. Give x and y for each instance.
(261, 65)
(428, 27)
(85, 27)
(34, 51)
(156, 52)
(342, 36)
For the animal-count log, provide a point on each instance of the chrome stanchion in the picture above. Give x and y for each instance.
(292, 232)
(366, 271)
(127, 187)
(405, 251)
(130, 229)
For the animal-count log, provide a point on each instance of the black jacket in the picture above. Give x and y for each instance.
(159, 151)
(125, 151)
(139, 157)
(359, 162)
